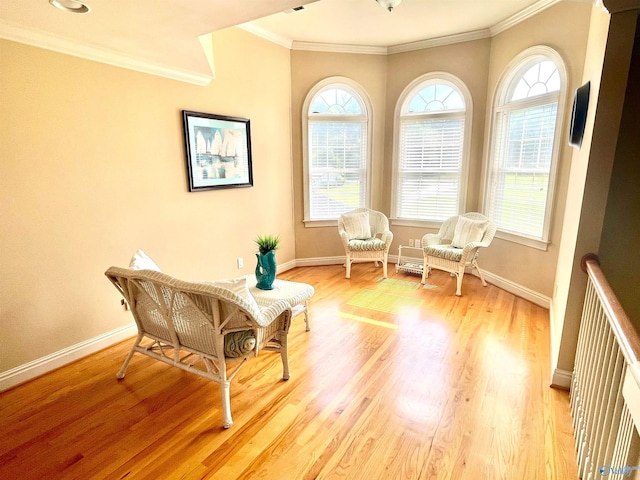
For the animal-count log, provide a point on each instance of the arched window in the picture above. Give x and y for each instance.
(524, 146)
(336, 143)
(432, 142)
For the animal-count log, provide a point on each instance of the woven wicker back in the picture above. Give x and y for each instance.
(449, 226)
(377, 220)
(184, 314)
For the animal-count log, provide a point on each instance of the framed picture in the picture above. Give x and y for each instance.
(218, 151)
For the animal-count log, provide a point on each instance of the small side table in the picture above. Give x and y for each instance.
(296, 293)
(410, 264)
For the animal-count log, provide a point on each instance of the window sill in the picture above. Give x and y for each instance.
(522, 240)
(320, 223)
(415, 223)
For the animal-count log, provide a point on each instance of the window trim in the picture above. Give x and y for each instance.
(516, 67)
(359, 91)
(410, 89)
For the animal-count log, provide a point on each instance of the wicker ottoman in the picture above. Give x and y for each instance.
(296, 293)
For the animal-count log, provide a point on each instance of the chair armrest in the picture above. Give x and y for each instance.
(345, 238)
(431, 239)
(269, 314)
(470, 249)
(386, 236)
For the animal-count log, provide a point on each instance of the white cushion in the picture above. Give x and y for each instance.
(468, 231)
(357, 225)
(240, 288)
(141, 261)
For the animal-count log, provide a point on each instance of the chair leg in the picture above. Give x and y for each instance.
(284, 354)
(227, 421)
(348, 265)
(123, 369)
(425, 272)
(459, 276)
(307, 321)
(475, 265)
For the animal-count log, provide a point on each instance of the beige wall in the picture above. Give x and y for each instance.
(563, 27)
(102, 171)
(307, 69)
(92, 167)
(479, 64)
(468, 61)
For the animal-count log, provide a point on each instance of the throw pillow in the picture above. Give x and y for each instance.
(240, 288)
(468, 231)
(141, 261)
(357, 225)
(238, 344)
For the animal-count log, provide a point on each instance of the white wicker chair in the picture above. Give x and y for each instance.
(375, 247)
(200, 327)
(440, 254)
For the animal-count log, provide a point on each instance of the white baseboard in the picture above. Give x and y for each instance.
(498, 281)
(287, 265)
(55, 360)
(319, 261)
(62, 357)
(517, 289)
(561, 379)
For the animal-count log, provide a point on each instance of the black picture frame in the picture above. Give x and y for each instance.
(218, 151)
(579, 115)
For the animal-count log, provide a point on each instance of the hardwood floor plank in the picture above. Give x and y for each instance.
(401, 382)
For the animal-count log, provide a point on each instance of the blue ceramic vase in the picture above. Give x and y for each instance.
(266, 270)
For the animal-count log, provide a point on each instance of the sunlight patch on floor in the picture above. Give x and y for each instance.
(368, 320)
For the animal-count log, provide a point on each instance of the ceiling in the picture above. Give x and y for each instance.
(162, 36)
(365, 23)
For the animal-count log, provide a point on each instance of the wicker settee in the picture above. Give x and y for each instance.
(201, 327)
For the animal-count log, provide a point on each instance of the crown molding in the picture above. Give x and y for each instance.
(521, 16)
(499, 27)
(338, 48)
(47, 41)
(266, 34)
(405, 47)
(440, 41)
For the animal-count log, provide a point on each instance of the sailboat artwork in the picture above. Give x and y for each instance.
(218, 151)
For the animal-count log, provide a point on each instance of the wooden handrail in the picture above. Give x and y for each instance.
(625, 333)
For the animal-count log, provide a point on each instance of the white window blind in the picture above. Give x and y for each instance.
(430, 152)
(337, 153)
(520, 174)
(430, 161)
(519, 186)
(337, 167)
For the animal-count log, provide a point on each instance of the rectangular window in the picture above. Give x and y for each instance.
(521, 166)
(430, 163)
(337, 168)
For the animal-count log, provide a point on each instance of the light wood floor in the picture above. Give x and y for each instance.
(445, 388)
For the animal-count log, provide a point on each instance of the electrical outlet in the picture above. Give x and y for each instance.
(411, 242)
(417, 242)
(240, 262)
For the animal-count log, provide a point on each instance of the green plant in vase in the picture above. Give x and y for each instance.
(266, 267)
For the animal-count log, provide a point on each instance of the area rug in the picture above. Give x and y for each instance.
(382, 301)
(389, 295)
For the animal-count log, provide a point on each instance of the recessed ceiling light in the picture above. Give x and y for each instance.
(73, 6)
